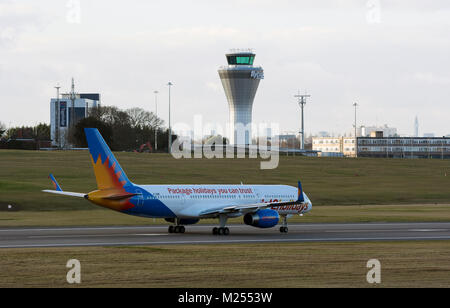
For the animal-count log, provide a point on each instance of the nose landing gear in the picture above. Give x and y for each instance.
(284, 228)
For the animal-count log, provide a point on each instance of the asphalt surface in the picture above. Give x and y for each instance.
(201, 234)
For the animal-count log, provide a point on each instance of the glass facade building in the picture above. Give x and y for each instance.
(404, 147)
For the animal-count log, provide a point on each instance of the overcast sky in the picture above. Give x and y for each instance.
(390, 56)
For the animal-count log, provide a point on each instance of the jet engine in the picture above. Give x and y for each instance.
(262, 218)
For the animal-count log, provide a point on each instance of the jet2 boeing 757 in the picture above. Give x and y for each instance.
(263, 206)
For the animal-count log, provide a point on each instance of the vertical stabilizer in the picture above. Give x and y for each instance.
(108, 172)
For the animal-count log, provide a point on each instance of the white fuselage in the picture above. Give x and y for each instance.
(188, 201)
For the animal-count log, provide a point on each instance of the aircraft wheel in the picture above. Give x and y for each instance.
(215, 231)
(182, 229)
(221, 231)
(171, 229)
(284, 229)
(226, 231)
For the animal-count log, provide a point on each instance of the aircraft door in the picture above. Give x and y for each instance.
(139, 197)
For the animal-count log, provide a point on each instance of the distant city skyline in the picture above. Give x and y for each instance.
(391, 58)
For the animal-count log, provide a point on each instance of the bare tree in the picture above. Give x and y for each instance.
(2, 129)
(141, 118)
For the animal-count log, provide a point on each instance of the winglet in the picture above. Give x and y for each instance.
(301, 198)
(55, 183)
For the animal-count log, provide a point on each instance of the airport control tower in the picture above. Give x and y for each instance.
(240, 80)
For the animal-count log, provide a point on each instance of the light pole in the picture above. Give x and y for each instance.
(170, 84)
(57, 116)
(356, 142)
(302, 102)
(72, 98)
(156, 114)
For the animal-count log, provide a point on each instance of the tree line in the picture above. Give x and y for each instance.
(123, 130)
(25, 137)
(39, 132)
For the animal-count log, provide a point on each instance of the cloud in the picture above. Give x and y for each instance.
(326, 47)
(431, 79)
(16, 18)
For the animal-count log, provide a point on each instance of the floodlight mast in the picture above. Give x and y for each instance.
(170, 84)
(302, 102)
(356, 139)
(156, 114)
(57, 116)
(355, 105)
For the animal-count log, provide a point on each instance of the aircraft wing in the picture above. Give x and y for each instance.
(249, 208)
(245, 208)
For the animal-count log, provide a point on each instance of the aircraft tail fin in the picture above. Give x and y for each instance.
(301, 197)
(108, 172)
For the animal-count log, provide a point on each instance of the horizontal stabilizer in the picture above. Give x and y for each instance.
(66, 193)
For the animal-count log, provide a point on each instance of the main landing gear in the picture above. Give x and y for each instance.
(222, 230)
(177, 228)
(284, 228)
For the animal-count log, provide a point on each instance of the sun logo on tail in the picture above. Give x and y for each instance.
(106, 174)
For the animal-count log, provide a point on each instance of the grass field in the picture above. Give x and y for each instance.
(342, 190)
(403, 264)
(328, 181)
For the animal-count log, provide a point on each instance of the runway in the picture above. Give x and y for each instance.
(201, 234)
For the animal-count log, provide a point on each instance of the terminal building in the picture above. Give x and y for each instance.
(334, 146)
(240, 80)
(66, 111)
(403, 147)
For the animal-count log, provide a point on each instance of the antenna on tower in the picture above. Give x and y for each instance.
(302, 102)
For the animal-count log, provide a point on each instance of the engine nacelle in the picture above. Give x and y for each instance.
(262, 218)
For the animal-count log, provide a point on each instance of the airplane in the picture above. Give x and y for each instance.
(262, 206)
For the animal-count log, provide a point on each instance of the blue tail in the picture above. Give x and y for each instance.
(55, 183)
(108, 172)
(301, 198)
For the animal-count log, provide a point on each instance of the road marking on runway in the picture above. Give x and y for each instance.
(354, 230)
(427, 230)
(92, 235)
(149, 234)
